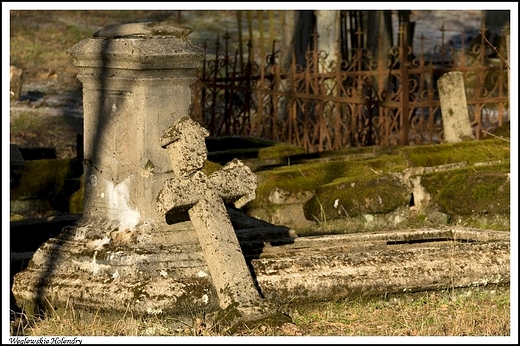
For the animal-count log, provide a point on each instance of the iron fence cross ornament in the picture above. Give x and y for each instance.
(204, 198)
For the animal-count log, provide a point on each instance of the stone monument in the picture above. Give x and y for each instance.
(126, 253)
(136, 81)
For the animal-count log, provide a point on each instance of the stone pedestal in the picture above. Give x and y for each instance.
(136, 81)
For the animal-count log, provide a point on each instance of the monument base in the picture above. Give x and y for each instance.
(94, 266)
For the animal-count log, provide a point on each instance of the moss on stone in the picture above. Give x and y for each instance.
(498, 222)
(280, 150)
(41, 177)
(76, 199)
(470, 190)
(349, 197)
(346, 185)
(308, 177)
(210, 167)
(465, 151)
(52, 180)
(294, 179)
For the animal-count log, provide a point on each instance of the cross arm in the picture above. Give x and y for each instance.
(235, 183)
(176, 195)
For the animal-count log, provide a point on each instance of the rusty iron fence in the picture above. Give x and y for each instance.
(361, 102)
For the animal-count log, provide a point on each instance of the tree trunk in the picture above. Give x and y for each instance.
(297, 31)
(495, 22)
(379, 33)
(329, 35)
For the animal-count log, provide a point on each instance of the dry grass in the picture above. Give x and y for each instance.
(474, 311)
(39, 39)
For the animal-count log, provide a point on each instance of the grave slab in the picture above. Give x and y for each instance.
(331, 267)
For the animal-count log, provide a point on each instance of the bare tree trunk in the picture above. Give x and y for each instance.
(329, 35)
(297, 36)
(379, 33)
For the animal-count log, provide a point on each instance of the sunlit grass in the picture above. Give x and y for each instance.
(473, 311)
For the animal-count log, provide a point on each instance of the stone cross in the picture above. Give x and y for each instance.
(136, 82)
(204, 198)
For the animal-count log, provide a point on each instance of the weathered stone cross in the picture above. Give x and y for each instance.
(203, 197)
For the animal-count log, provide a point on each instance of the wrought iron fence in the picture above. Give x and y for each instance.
(364, 101)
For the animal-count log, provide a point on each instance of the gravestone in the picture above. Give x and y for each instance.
(454, 108)
(125, 254)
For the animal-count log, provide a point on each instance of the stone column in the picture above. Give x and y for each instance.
(136, 81)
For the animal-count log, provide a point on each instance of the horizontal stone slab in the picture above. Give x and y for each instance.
(136, 53)
(144, 29)
(96, 266)
(339, 266)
